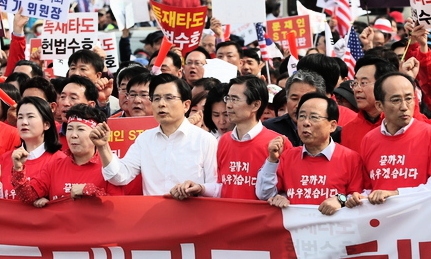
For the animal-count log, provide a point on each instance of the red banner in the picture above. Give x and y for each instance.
(143, 227)
(124, 131)
(182, 26)
(279, 29)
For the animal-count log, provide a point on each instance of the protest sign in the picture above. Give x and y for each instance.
(60, 40)
(246, 31)
(421, 12)
(239, 11)
(55, 10)
(182, 26)
(124, 131)
(220, 69)
(279, 29)
(108, 43)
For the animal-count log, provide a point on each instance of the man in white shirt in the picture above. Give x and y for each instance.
(169, 154)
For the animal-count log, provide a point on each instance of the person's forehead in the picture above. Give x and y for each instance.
(73, 87)
(34, 92)
(80, 63)
(139, 87)
(227, 49)
(249, 59)
(196, 55)
(237, 89)
(366, 72)
(167, 88)
(314, 105)
(397, 85)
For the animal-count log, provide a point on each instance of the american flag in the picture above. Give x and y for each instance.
(354, 44)
(262, 42)
(354, 52)
(343, 14)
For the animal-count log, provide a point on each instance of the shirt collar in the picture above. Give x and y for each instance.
(183, 128)
(93, 160)
(251, 134)
(327, 152)
(37, 152)
(384, 131)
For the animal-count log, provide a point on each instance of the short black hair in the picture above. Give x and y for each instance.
(139, 79)
(382, 66)
(284, 75)
(91, 93)
(36, 70)
(344, 70)
(231, 43)
(19, 77)
(87, 57)
(13, 93)
(215, 95)
(379, 93)
(279, 100)
(58, 84)
(128, 73)
(42, 84)
(207, 83)
(256, 90)
(331, 110)
(252, 53)
(86, 112)
(176, 59)
(386, 54)
(182, 87)
(198, 49)
(325, 66)
(50, 136)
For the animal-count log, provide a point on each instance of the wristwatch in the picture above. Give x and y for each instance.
(342, 199)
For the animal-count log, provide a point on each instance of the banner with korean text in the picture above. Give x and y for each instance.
(60, 40)
(108, 43)
(125, 130)
(55, 10)
(182, 26)
(279, 29)
(421, 12)
(123, 227)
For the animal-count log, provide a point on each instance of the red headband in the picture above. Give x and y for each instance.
(90, 123)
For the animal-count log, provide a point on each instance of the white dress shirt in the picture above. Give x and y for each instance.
(187, 154)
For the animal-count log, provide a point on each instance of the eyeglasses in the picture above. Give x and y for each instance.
(399, 100)
(122, 90)
(232, 99)
(166, 97)
(312, 117)
(196, 63)
(360, 83)
(133, 96)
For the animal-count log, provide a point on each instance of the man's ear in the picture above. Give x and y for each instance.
(379, 106)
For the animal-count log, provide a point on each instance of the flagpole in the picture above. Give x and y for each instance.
(315, 39)
(267, 72)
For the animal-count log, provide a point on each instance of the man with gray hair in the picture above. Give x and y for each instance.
(297, 85)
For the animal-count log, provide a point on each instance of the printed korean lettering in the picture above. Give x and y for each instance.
(424, 2)
(87, 43)
(108, 44)
(43, 10)
(73, 45)
(157, 12)
(181, 40)
(74, 25)
(60, 46)
(300, 22)
(3, 3)
(48, 27)
(62, 27)
(184, 19)
(17, 5)
(67, 187)
(288, 24)
(194, 39)
(423, 16)
(169, 18)
(276, 26)
(55, 12)
(47, 46)
(32, 7)
(110, 61)
(57, 1)
(198, 19)
(87, 25)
